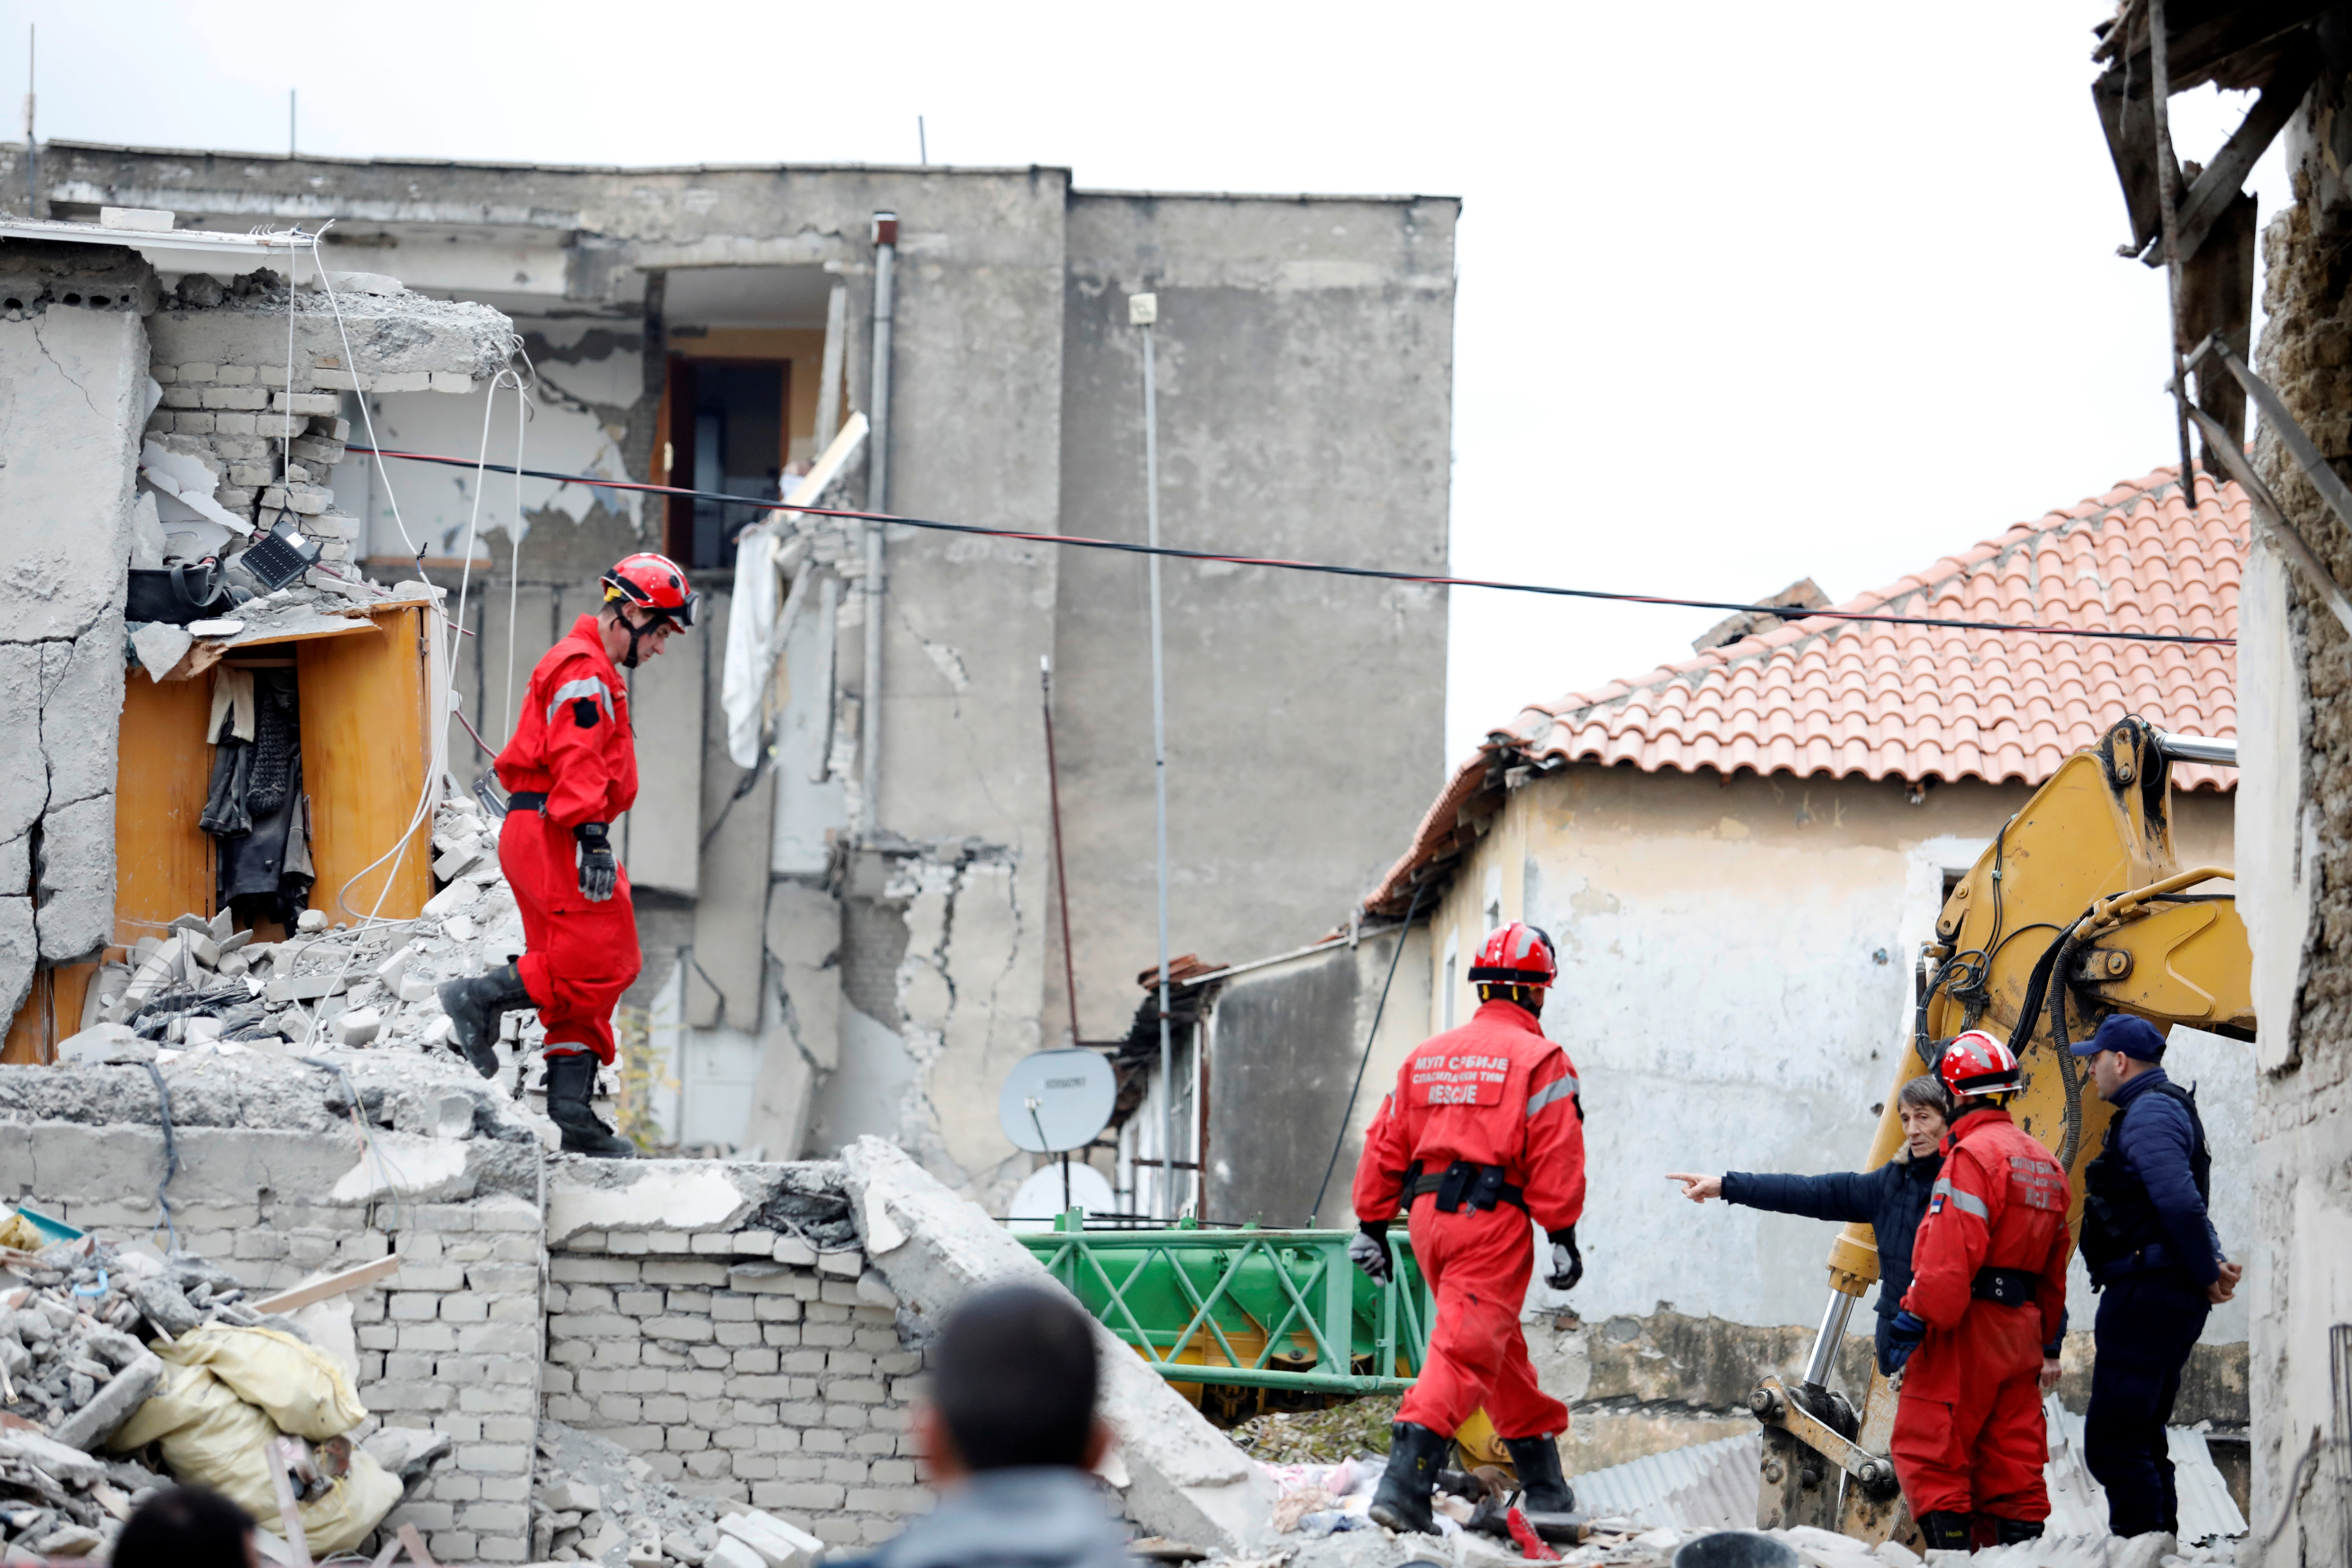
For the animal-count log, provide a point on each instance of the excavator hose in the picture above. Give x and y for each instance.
(2070, 1071)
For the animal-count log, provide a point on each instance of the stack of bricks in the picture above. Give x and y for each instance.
(452, 1344)
(740, 1363)
(270, 449)
(269, 433)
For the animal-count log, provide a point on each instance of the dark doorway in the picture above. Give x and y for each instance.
(725, 434)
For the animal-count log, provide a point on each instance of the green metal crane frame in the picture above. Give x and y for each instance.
(1175, 1290)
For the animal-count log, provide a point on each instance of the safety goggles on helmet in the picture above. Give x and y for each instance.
(655, 584)
(1974, 1063)
(1516, 955)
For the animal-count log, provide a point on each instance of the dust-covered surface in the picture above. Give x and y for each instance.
(1620, 1544)
(594, 1502)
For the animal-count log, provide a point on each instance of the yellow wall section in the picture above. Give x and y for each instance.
(364, 753)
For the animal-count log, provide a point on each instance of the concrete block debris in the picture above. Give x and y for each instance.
(586, 1491)
(353, 987)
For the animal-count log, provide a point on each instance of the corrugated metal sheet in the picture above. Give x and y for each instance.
(1708, 1485)
(1712, 1485)
(2078, 1505)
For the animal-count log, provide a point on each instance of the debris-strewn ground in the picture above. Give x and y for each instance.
(1376, 1548)
(1319, 1437)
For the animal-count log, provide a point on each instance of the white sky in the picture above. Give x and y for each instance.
(1747, 293)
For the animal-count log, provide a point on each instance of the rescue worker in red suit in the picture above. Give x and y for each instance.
(1483, 1129)
(570, 769)
(1987, 1305)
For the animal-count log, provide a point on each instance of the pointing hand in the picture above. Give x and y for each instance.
(1699, 1189)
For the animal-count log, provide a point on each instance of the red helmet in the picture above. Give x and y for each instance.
(1976, 1063)
(1516, 955)
(653, 582)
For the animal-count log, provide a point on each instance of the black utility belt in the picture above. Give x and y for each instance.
(526, 800)
(2006, 1287)
(1481, 1186)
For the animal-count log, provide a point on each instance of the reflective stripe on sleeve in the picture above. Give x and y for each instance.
(1552, 1093)
(1966, 1202)
(589, 685)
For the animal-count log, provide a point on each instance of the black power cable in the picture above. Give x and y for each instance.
(1085, 541)
(1339, 1141)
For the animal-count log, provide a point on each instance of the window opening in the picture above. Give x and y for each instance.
(725, 434)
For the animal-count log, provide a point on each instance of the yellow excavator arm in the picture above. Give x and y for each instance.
(2078, 908)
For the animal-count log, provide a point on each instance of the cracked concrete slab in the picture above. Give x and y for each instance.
(72, 385)
(1184, 1479)
(76, 870)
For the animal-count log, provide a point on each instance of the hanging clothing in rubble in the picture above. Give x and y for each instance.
(255, 808)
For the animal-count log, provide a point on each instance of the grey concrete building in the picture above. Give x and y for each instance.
(819, 963)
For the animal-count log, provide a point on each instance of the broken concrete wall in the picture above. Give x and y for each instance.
(275, 1184)
(720, 1321)
(2295, 665)
(73, 394)
(1305, 387)
(1284, 322)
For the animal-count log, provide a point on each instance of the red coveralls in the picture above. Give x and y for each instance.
(1968, 1433)
(573, 744)
(1493, 1092)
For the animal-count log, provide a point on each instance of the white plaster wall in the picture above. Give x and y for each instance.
(574, 426)
(1725, 1000)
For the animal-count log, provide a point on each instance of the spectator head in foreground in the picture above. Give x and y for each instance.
(1010, 1435)
(1014, 1380)
(187, 1527)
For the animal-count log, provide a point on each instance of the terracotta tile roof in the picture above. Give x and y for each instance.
(1818, 697)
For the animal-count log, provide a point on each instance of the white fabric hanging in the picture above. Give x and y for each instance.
(760, 618)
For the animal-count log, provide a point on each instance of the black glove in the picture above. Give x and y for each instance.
(600, 873)
(1368, 1249)
(1567, 1263)
(1903, 1332)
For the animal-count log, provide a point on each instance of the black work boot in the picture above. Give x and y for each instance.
(1402, 1501)
(475, 1008)
(2010, 1532)
(1544, 1490)
(570, 1078)
(1946, 1531)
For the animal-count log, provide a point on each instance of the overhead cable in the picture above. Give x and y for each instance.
(1086, 541)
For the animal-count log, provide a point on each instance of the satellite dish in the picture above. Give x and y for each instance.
(1040, 1198)
(1056, 1100)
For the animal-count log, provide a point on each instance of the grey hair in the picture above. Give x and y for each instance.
(1925, 1090)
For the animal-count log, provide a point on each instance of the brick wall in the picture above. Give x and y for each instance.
(740, 1363)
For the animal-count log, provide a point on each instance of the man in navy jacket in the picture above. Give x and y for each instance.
(2157, 1263)
(1890, 1200)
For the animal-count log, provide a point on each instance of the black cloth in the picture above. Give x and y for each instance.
(2146, 1196)
(2148, 1324)
(1891, 1200)
(255, 807)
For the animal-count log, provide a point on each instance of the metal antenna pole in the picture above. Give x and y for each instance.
(290, 142)
(32, 148)
(1143, 311)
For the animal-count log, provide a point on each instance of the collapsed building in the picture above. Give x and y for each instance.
(846, 879)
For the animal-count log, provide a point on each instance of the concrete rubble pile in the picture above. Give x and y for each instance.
(347, 986)
(593, 1501)
(74, 1366)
